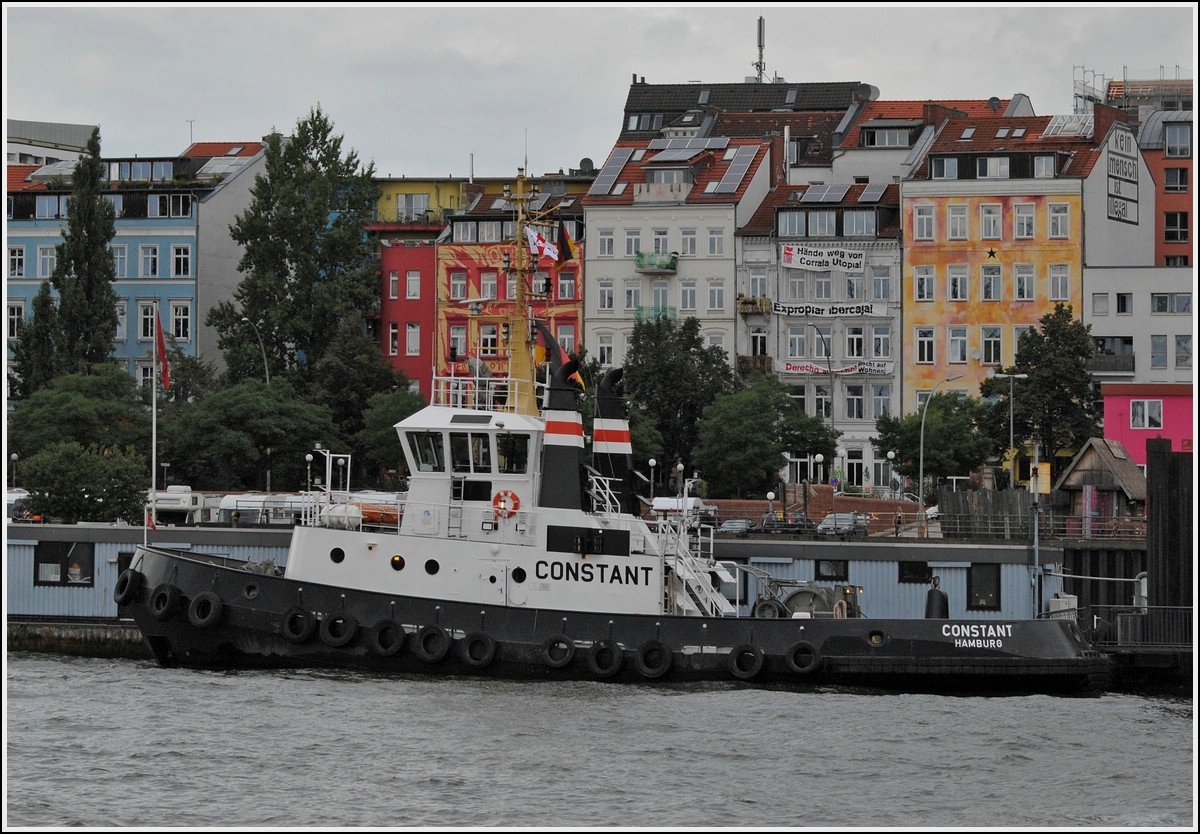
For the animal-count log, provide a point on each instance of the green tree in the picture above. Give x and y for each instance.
(94, 483)
(744, 437)
(106, 408)
(954, 443)
(672, 377)
(378, 441)
(307, 258)
(34, 354)
(1056, 407)
(82, 325)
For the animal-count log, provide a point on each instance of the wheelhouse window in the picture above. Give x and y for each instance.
(983, 587)
(471, 452)
(427, 450)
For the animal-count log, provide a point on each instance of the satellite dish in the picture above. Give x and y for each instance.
(586, 164)
(994, 104)
(866, 92)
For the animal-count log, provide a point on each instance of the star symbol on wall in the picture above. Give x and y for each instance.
(991, 253)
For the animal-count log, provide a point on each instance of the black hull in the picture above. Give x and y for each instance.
(195, 613)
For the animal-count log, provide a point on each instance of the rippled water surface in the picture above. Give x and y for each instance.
(124, 743)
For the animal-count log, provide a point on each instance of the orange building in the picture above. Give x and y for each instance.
(1165, 138)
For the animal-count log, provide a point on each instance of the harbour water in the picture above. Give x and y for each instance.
(122, 743)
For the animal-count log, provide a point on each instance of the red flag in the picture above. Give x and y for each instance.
(150, 522)
(161, 348)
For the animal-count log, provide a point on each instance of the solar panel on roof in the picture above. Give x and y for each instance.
(835, 193)
(676, 155)
(815, 194)
(737, 171)
(872, 193)
(658, 144)
(610, 172)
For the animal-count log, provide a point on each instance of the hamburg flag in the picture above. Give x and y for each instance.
(566, 246)
(539, 247)
(161, 352)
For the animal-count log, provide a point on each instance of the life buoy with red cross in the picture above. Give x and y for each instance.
(506, 503)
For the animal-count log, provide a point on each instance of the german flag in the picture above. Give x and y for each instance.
(551, 350)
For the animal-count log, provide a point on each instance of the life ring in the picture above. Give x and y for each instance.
(164, 601)
(432, 643)
(653, 659)
(477, 650)
(802, 658)
(558, 651)
(205, 609)
(605, 658)
(127, 587)
(746, 661)
(339, 630)
(386, 638)
(506, 503)
(298, 625)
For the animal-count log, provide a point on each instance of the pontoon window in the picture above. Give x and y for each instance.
(427, 451)
(512, 454)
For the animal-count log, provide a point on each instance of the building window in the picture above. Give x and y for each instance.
(1176, 227)
(823, 287)
(716, 241)
(181, 261)
(859, 224)
(1099, 304)
(566, 286)
(121, 322)
(983, 587)
(49, 206)
(604, 291)
(854, 287)
(1176, 180)
(1060, 220)
(990, 336)
(822, 402)
(1183, 351)
(633, 296)
(923, 280)
(16, 317)
(64, 563)
(1178, 140)
(716, 295)
(633, 242)
(925, 352)
(957, 222)
(958, 345)
(16, 262)
(658, 241)
(1171, 302)
(914, 573)
(796, 281)
(149, 259)
(605, 243)
(887, 137)
(824, 223)
(487, 285)
(855, 402)
(146, 321)
(490, 231)
(881, 401)
(687, 244)
(758, 281)
(923, 223)
(791, 223)
(412, 338)
(605, 350)
(990, 221)
(566, 337)
(795, 340)
(1145, 414)
(1043, 167)
(957, 280)
(47, 259)
(1060, 282)
(1023, 289)
(1175, 260)
(1124, 304)
(855, 341)
(458, 340)
(945, 168)
(832, 570)
(489, 340)
(1158, 351)
(881, 341)
(465, 232)
(881, 283)
(412, 284)
(393, 338)
(992, 167)
(181, 321)
(458, 286)
(989, 283)
(1023, 221)
(660, 296)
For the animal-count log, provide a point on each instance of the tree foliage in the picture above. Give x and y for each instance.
(34, 354)
(306, 260)
(78, 333)
(378, 442)
(672, 377)
(744, 437)
(72, 482)
(954, 444)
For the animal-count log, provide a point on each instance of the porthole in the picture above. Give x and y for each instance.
(337, 555)
(432, 567)
(518, 575)
(397, 562)
(876, 638)
(492, 579)
(250, 591)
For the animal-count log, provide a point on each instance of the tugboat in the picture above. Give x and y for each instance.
(515, 557)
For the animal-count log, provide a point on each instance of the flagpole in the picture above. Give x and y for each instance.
(153, 431)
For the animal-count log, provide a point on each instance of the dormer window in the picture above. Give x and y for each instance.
(992, 168)
(887, 137)
(668, 175)
(967, 133)
(1043, 166)
(944, 168)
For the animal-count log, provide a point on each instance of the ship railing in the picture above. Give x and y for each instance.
(695, 592)
(600, 488)
(1143, 628)
(482, 393)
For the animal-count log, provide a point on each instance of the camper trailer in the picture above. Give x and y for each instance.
(178, 506)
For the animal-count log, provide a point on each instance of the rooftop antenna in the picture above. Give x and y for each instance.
(760, 65)
(191, 129)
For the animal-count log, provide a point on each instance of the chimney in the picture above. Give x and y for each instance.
(1104, 117)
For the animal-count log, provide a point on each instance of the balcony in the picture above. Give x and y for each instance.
(752, 364)
(754, 306)
(656, 263)
(1108, 364)
(652, 313)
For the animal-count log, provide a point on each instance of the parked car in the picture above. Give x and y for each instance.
(933, 512)
(843, 524)
(735, 526)
(794, 525)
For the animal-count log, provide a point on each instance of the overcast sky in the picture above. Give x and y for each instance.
(429, 90)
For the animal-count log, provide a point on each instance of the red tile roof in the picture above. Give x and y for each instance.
(209, 149)
(709, 166)
(18, 176)
(1085, 150)
(973, 108)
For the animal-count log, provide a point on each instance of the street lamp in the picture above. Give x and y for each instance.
(921, 476)
(652, 463)
(341, 462)
(308, 462)
(266, 370)
(819, 459)
(1010, 377)
(770, 505)
(14, 457)
(165, 466)
(891, 457)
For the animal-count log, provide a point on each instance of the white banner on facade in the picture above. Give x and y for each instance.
(823, 258)
(827, 310)
(862, 367)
